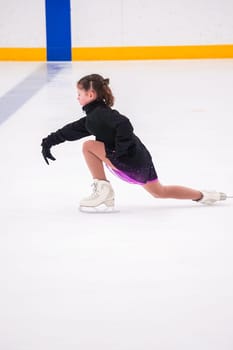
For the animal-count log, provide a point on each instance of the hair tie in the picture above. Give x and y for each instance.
(106, 81)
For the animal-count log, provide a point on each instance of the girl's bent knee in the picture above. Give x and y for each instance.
(88, 145)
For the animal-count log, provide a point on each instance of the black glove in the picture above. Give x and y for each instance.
(46, 150)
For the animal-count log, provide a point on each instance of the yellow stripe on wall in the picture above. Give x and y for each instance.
(22, 54)
(152, 52)
(123, 53)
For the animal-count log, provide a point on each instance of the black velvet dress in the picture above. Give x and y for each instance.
(123, 148)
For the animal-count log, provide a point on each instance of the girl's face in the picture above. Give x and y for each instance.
(85, 97)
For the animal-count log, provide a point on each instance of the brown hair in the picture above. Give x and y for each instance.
(99, 85)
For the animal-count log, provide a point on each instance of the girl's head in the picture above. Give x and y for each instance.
(94, 87)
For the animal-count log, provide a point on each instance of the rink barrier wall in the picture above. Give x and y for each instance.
(124, 53)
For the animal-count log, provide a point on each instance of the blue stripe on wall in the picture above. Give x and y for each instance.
(58, 30)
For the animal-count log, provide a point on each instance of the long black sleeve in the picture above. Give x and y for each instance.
(70, 132)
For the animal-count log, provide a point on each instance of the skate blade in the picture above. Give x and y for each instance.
(101, 209)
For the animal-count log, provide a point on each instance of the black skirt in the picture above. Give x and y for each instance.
(136, 167)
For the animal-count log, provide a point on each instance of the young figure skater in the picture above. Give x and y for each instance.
(117, 146)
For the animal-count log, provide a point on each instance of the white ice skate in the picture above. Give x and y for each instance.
(210, 197)
(101, 200)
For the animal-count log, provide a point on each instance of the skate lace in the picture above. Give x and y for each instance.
(94, 191)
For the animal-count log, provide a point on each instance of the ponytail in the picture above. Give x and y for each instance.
(99, 85)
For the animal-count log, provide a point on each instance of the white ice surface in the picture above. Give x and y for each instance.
(156, 275)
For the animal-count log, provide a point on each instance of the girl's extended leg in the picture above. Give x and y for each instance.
(95, 155)
(156, 189)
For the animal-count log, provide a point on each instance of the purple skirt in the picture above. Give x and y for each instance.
(123, 176)
(136, 169)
